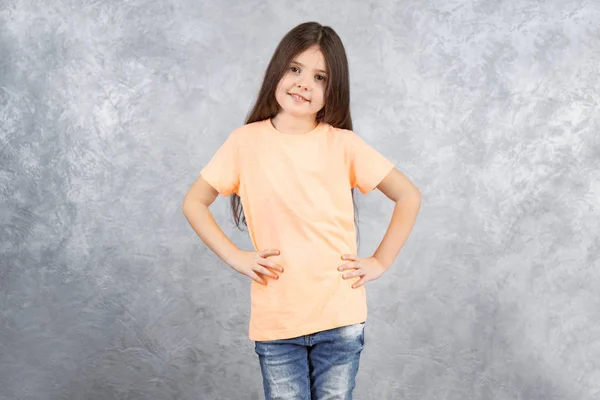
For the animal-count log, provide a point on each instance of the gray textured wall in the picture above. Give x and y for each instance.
(109, 109)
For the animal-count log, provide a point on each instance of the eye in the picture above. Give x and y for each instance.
(322, 78)
(292, 68)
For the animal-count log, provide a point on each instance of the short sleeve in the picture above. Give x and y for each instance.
(367, 166)
(223, 171)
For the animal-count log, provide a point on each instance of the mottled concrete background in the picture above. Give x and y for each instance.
(109, 109)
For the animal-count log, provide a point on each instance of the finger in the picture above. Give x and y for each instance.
(349, 257)
(265, 271)
(257, 278)
(357, 272)
(361, 282)
(347, 266)
(261, 268)
(269, 252)
(270, 264)
(276, 266)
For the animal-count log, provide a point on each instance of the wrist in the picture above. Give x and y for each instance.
(381, 262)
(233, 256)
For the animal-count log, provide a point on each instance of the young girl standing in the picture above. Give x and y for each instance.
(294, 166)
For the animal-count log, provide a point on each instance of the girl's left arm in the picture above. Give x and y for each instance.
(398, 188)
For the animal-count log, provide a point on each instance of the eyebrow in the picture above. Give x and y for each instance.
(300, 64)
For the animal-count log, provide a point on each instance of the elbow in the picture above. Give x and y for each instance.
(185, 204)
(191, 203)
(413, 196)
(418, 194)
(415, 192)
(418, 197)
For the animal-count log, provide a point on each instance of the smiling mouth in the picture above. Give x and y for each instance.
(297, 96)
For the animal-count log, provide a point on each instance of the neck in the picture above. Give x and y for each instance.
(294, 125)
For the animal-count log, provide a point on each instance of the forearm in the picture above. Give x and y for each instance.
(403, 219)
(205, 226)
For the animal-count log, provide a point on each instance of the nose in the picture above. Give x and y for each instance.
(300, 84)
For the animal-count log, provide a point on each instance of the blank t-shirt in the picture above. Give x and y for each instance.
(296, 195)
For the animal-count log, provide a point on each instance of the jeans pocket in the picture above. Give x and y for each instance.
(362, 334)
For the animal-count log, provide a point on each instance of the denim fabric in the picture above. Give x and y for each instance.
(319, 366)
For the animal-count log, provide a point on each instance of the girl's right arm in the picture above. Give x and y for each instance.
(195, 207)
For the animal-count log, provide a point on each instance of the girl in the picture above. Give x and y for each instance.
(294, 166)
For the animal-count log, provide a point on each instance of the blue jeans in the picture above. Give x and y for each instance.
(319, 366)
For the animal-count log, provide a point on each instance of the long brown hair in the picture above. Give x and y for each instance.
(336, 111)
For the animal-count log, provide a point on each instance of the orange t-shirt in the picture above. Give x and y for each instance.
(296, 196)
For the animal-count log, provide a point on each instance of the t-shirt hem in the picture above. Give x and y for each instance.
(212, 181)
(305, 330)
(380, 177)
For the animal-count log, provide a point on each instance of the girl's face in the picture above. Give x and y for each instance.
(306, 77)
